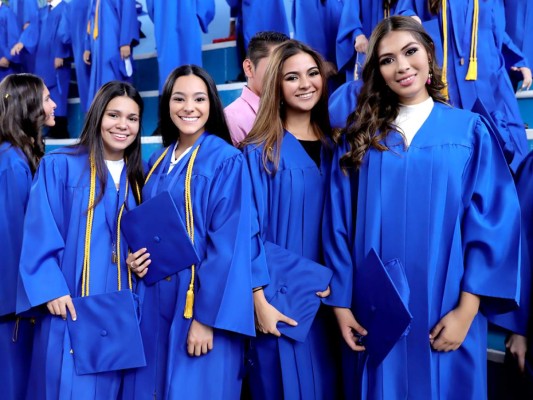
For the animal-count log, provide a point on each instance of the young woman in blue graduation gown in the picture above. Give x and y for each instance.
(435, 193)
(25, 106)
(195, 349)
(472, 36)
(105, 165)
(289, 153)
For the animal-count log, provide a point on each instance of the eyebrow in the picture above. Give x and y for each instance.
(296, 72)
(194, 94)
(119, 112)
(403, 48)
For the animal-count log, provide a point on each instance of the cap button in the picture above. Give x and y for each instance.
(103, 332)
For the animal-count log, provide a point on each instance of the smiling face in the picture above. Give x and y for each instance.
(189, 106)
(49, 106)
(404, 65)
(301, 84)
(120, 126)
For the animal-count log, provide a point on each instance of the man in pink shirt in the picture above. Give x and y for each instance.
(240, 115)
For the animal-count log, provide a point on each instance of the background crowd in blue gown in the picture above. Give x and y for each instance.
(485, 56)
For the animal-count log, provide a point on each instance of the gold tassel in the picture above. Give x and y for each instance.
(471, 75)
(189, 302)
(189, 217)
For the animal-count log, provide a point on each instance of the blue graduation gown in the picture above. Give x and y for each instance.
(118, 26)
(492, 86)
(446, 208)
(77, 20)
(51, 266)
(221, 202)
(258, 15)
(290, 205)
(316, 23)
(15, 333)
(178, 27)
(54, 42)
(9, 33)
(343, 102)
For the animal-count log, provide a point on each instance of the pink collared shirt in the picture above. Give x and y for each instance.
(240, 115)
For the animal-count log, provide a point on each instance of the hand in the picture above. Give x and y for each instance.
(139, 262)
(60, 305)
(58, 62)
(4, 62)
(325, 293)
(267, 316)
(87, 57)
(347, 325)
(361, 44)
(17, 48)
(517, 346)
(526, 77)
(125, 51)
(451, 330)
(199, 339)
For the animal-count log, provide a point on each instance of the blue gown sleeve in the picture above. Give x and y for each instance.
(43, 244)
(205, 11)
(30, 36)
(129, 24)
(338, 230)
(492, 212)
(224, 275)
(14, 191)
(62, 46)
(350, 27)
(12, 32)
(260, 275)
(517, 321)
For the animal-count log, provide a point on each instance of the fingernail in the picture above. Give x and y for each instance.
(74, 319)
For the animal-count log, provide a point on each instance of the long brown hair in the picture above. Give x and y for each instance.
(22, 115)
(269, 124)
(91, 134)
(377, 105)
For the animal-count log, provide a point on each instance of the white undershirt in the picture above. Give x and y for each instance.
(174, 160)
(115, 168)
(411, 118)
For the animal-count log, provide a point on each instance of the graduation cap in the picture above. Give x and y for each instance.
(157, 225)
(106, 334)
(294, 281)
(381, 305)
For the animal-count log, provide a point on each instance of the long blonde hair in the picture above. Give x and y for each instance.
(268, 129)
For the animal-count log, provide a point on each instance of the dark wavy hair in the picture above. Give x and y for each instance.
(216, 123)
(22, 115)
(91, 135)
(269, 124)
(377, 105)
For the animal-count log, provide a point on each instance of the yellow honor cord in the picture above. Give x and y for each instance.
(157, 162)
(86, 272)
(189, 301)
(96, 17)
(471, 75)
(444, 13)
